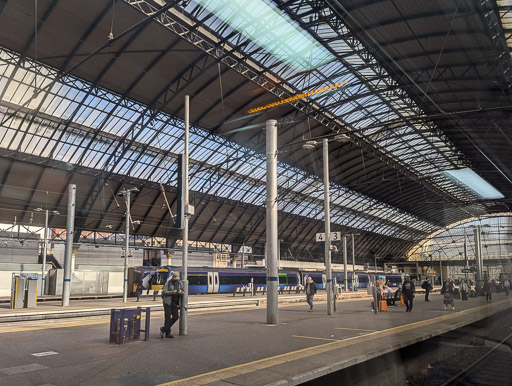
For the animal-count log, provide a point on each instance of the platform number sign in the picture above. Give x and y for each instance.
(335, 237)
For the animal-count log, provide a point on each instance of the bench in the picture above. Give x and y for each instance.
(260, 289)
(392, 300)
(241, 290)
(291, 288)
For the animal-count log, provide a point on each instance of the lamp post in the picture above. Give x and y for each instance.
(45, 246)
(126, 193)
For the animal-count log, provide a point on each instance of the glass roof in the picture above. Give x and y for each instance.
(449, 244)
(369, 99)
(84, 125)
(505, 11)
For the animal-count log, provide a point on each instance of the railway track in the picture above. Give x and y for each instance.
(492, 368)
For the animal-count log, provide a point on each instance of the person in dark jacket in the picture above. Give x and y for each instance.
(448, 291)
(487, 291)
(138, 292)
(310, 292)
(427, 286)
(171, 295)
(408, 290)
(464, 290)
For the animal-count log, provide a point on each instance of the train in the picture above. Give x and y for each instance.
(203, 280)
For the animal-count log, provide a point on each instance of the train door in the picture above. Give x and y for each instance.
(211, 282)
(215, 282)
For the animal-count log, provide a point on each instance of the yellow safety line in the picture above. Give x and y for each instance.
(353, 329)
(313, 337)
(245, 368)
(35, 328)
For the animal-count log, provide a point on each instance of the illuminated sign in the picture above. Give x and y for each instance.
(299, 96)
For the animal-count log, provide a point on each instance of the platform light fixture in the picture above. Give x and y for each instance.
(474, 182)
(310, 145)
(342, 138)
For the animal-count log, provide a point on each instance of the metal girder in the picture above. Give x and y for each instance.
(250, 70)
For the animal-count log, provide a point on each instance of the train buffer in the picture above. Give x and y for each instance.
(125, 324)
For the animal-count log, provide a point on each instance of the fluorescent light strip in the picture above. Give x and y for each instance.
(474, 182)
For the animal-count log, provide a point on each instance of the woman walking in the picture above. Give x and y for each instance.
(448, 290)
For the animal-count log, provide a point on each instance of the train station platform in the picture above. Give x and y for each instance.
(228, 345)
(49, 307)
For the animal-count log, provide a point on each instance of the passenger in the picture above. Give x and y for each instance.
(448, 291)
(487, 291)
(380, 290)
(427, 286)
(139, 289)
(171, 295)
(408, 291)
(150, 282)
(464, 290)
(398, 292)
(506, 285)
(310, 292)
(389, 291)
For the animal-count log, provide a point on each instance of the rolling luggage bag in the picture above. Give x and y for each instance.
(383, 306)
(402, 303)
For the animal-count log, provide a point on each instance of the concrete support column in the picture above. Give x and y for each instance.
(183, 321)
(345, 261)
(70, 230)
(327, 220)
(271, 220)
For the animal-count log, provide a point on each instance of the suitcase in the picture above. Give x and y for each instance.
(402, 303)
(383, 306)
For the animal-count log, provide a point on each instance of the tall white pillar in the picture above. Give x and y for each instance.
(271, 220)
(70, 231)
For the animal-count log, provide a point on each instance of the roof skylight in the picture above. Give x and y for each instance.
(263, 23)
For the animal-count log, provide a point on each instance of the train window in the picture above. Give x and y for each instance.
(260, 279)
(363, 279)
(283, 279)
(197, 279)
(317, 279)
(292, 279)
(225, 279)
(230, 279)
(162, 278)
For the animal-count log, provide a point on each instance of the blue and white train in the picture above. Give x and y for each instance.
(227, 280)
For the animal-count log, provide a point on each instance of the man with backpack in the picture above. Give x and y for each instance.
(408, 290)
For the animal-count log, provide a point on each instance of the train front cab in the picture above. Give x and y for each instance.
(288, 279)
(160, 278)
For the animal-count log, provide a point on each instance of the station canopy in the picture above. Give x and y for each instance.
(413, 97)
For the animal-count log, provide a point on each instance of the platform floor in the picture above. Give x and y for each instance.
(226, 346)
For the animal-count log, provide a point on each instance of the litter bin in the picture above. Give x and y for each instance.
(125, 324)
